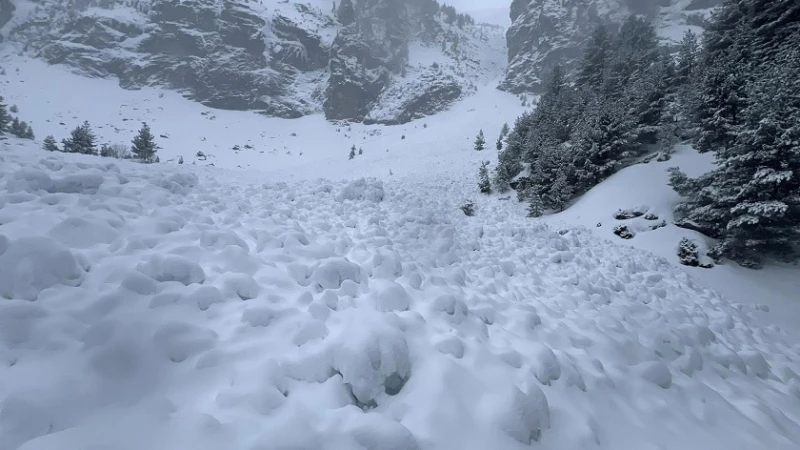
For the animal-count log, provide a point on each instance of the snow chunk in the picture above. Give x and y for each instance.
(546, 368)
(331, 273)
(172, 268)
(375, 431)
(180, 340)
(259, 316)
(391, 297)
(79, 183)
(522, 416)
(32, 264)
(77, 232)
(372, 357)
(656, 372)
(451, 345)
(30, 180)
(362, 189)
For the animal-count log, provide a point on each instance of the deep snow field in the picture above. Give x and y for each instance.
(260, 307)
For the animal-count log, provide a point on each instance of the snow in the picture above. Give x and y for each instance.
(279, 300)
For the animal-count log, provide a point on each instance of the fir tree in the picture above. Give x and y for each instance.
(504, 130)
(28, 132)
(483, 179)
(499, 143)
(5, 118)
(480, 141)
(535, 205)
(144, 146)
(16, 128)
(687, 56)
(81, 140)
(360, 151)
(596, 58)
(49, 144)
(560, 192)
(346, 12)
(353, 151)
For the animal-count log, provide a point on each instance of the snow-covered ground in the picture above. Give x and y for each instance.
(196, 307)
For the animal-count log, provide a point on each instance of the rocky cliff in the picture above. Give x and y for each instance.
(549, 32)
(284, 58)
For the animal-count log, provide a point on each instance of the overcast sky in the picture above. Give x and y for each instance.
(492, 11)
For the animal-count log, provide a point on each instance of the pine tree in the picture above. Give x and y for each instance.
(687, 56)
(596, 58)
(535, 205)
(560, 192)
(5, 118)
(106, 151)
(81, 140)
(483, 179)
(480, 141)
(144, 146)
(346, 12)
(499, 144)
(49, 144)
(28, 132)
(353, 151)
(360, 151)
(16, 128)
(180, 160)
(504, 130)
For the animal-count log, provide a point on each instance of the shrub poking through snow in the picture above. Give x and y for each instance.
(624, 232)
(651, 216)
(352, 152)
(687, 253)
(625, 214)
(661, 224)
(468, 208)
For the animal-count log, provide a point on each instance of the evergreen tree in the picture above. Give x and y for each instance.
(687, 56)
(596, 58)
(480, 141)
(16, 128)
(499, 143)
(28, 134)
(353, 151)
(483, 179)
(180, 160)
(144, 146)
(49, 144)
(535, 205)
(5, 118)
(504, 130)
(360, 151)
(560, 192)
(106, 151)
(81, 140)
(346, 12)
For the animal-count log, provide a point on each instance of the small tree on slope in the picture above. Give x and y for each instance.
(480, 141)
(144, 146)
(49, 144)
(81, 140)
(353, 151)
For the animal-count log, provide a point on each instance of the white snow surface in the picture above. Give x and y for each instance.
(186, 306)
(171, 306)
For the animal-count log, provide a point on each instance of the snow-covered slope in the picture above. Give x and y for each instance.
(55, 101)
(173, 306)
(284, 59)
(191, 307)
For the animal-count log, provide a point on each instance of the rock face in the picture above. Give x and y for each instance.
(549, 32)
(281, 58)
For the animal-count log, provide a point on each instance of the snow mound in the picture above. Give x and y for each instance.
(222, 313)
